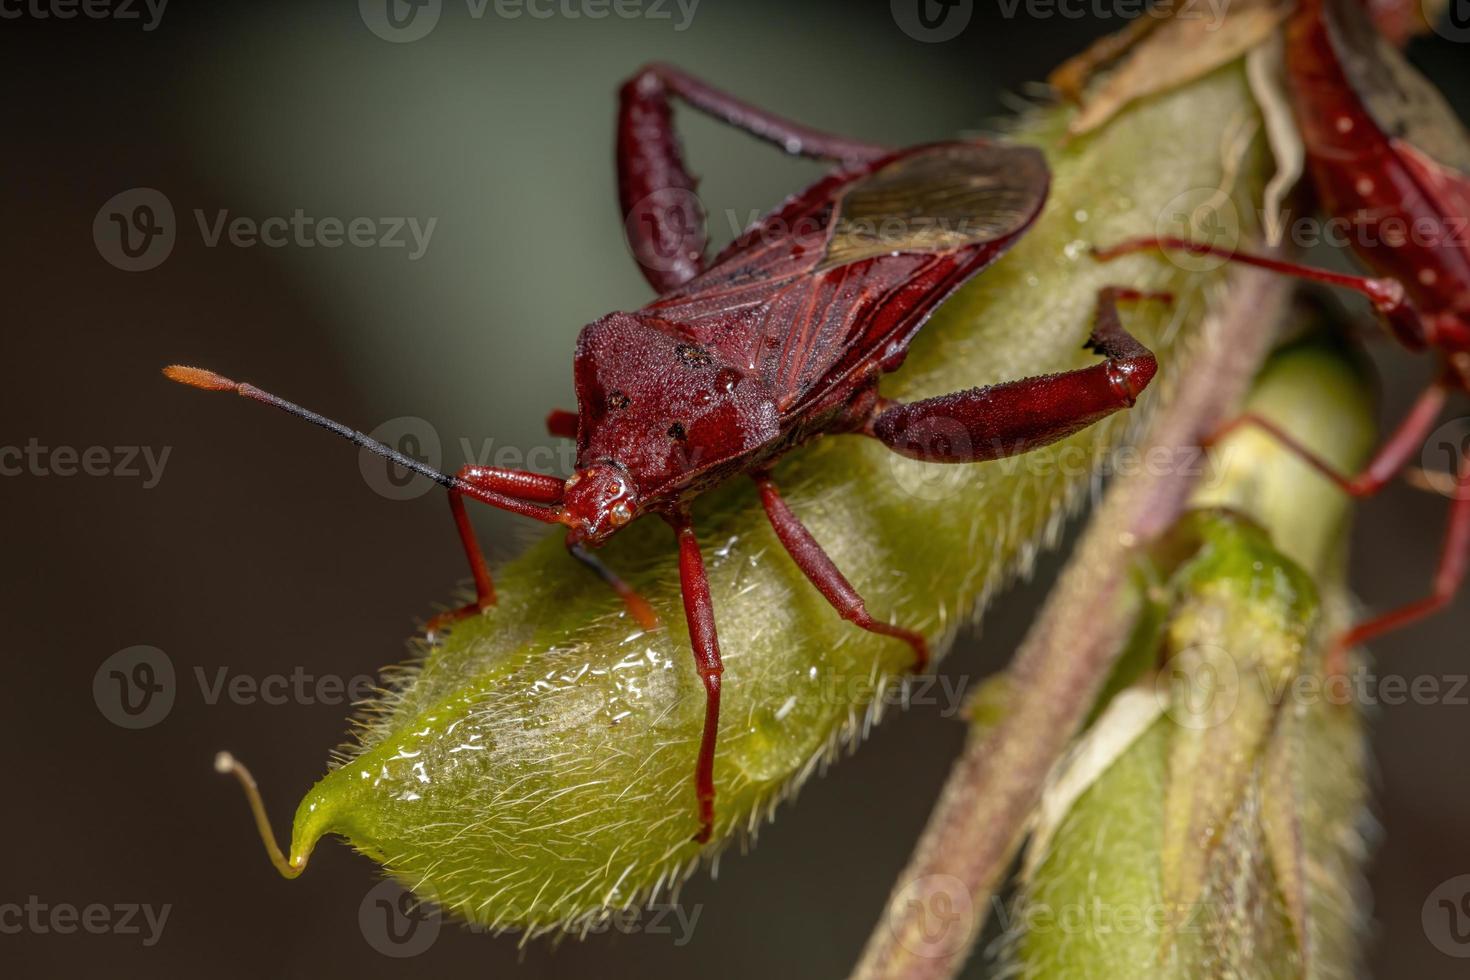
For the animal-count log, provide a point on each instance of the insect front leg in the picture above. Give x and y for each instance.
(700, 613)
(1018, 416)
(519, 484)
(829, 580)
(664, 219)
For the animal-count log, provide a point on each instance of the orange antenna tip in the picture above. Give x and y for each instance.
(226, 763)
(199, 378)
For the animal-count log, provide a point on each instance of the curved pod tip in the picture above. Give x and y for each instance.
(224, 762)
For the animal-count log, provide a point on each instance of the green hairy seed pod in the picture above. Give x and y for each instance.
(1211, 826)
(534, 770)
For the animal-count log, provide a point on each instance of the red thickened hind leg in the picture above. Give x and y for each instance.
(819, 569)
(664, 219)
(700, 613)
(1388, 295)
(518, 484)
(1386, 464)
(1447, 580)
(1018, 416)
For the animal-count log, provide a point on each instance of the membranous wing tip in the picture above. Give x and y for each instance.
(938, 198)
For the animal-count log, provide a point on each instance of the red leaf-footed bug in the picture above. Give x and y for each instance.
(779, 340)
(1389, 156)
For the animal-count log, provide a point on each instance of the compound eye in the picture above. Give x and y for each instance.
(620, 515)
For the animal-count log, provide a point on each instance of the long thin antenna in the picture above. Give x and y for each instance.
(210, 381)
(226, 763)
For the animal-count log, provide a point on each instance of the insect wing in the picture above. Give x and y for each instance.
(938, 199)
(848, 268)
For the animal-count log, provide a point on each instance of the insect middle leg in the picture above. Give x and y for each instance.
(518, 484)
(665, 222)
(700, 614)
(1387, 295)
(1448, 578)
(1388, 462)
(824, 574)
(1018, 416)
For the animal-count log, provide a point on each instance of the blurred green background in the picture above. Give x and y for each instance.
(264, 551)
